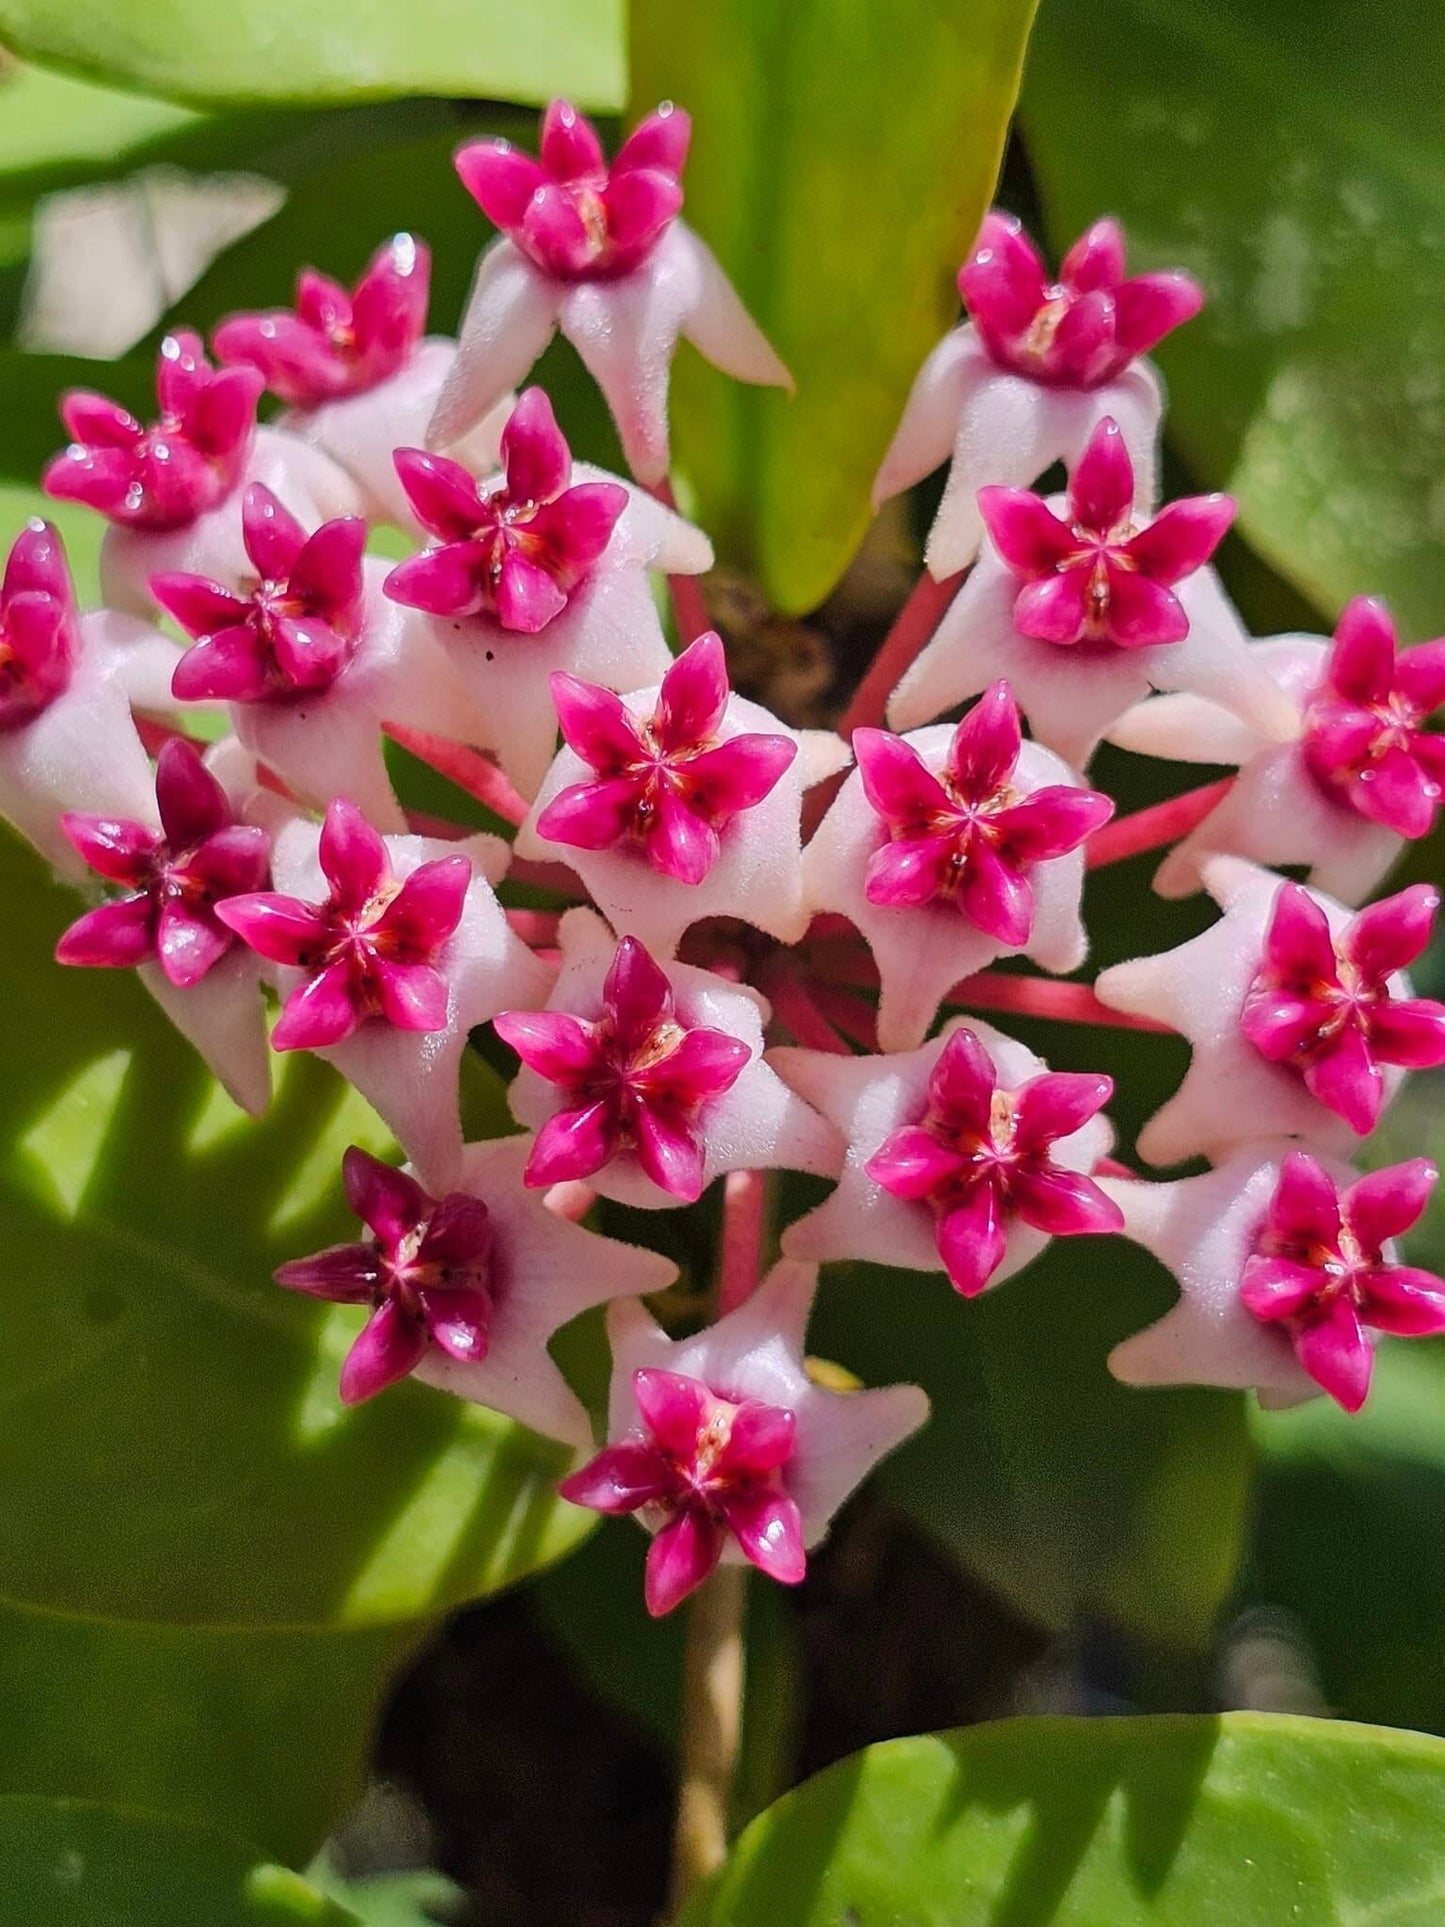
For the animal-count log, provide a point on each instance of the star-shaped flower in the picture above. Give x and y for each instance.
(598, 252)
(1350, 1026)
(649, 1080)
(1084, 605)
(725, 1448)
(965, 1156)
(389, 951)
(312, 658)
(358, 371)
(538, 570)
(950, 847)
(1360, 775)
(68, 740)
(1285, 1262)
(679, 802)
(1028, 380)
(465, 1290)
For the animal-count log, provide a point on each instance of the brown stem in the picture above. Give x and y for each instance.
(712, 1700)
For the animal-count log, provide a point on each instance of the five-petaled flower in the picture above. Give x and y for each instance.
(1097, 576)
(1321, 1269)
(164, 476)
(335, 343)
(665, 783)
(292, 630)
(633, 1079)
(368, 951)
(1324, 1001)
(517, 551)
(174, 883)
(1364, 726)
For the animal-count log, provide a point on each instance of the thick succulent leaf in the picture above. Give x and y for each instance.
(1176, 1822)
(1291, 160)
(69, 1863)
(843, 155)
(421, 1899)
(176, 1467)
(331, 50)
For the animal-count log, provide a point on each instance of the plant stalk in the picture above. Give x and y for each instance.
(712, 1689)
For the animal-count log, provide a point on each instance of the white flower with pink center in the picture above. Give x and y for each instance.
(965, 1157)
(648, 1080)
(1300, 1016)
(950, 847)
(1083, 605)
(722, 1445)
(596, 250)
(1028, 379)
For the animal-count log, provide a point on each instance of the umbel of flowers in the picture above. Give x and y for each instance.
(740, 978)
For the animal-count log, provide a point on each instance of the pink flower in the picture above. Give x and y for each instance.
(1081, 330)
(466, 1290)
(1097, 577)
(1320, 1269)
(369, 951)
(965, 1156)
(665, 785)
(600, 254)
(336, 343)
(680, 802)
(950, 847)
(293, 632)
(705, 1470)
(1364, 727)
(722, 1445)
(388, 952)
(516, 552)
(68, 740)
(1028, 381)
(1325, 1003)
(568, 212)
(172, 882)
(648, 1080)
(164, 476)
(1233, 1091)
(634, 1079)
(1112, 603)
(38, 638)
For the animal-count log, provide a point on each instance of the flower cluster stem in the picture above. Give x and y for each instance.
(474, 774)
(712, 1703)
(1045, 997)
(1153, 828)
(912, 628)
(741, 1249)
(689, 609)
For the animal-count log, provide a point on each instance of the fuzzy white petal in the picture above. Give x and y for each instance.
(510, 315)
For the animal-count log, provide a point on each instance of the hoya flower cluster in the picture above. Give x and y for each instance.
(702, 1006)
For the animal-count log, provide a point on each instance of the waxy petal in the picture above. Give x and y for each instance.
(390, 1345)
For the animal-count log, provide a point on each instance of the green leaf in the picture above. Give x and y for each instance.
(1290, 158)
(1073, 1496)
(330, 50)
(69, 1863)
(391, 1900)
(843, 156)
(1103, 1823)
(182, 1496)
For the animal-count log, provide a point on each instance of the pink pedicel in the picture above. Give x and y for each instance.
(174, 883)
(1364, 736)
(665, 784)
(426, 1273)
(572, 215)
(165, 476)
(1319, 1268)
(980, 1157)
(370, 951)
(703, 1469)
(634, 1080)
(1081, 330)
(296, 629)
(335, 343)
(516, 552)
(1323, 1004)
(1100, 576)
(38, 637)
(965, 835)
